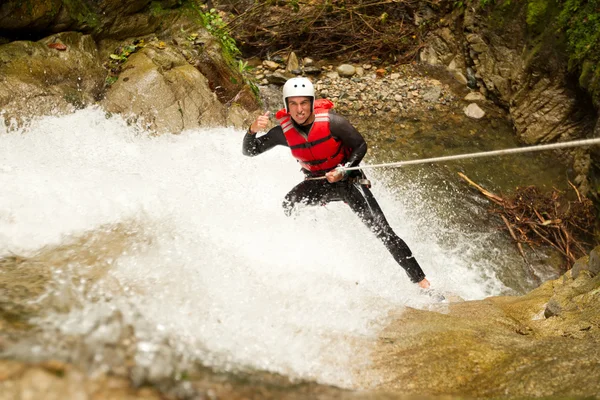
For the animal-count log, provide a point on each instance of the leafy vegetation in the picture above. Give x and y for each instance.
(213, 22)
(574, 22)
(580, 19)
(116, 60)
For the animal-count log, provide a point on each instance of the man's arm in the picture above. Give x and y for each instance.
(253, 146)
(342, 129)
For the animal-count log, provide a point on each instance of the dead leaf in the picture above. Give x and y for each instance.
(57, 46)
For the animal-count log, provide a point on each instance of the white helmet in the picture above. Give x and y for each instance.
(298, 86)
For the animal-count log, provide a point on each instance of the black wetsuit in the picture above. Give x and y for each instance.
(350, 190)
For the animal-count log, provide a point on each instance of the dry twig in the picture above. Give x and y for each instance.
(541, 218)
(368, 27)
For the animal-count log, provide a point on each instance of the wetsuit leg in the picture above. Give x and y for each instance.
(309, 193)
(363, 203)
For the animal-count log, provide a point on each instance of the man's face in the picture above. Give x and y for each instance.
(300, 109)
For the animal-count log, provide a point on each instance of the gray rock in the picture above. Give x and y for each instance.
(432, 95)
(580, 265)
(312, 70)
(553, 308)
(428, 55)
(346, 70)
(594, 264)
(277, 78)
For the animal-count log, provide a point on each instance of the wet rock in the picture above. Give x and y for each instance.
(471, 78)
(493, 341)
(37, 80)
(474, 111)
(307, 62)
(165, 100)
(40, 382)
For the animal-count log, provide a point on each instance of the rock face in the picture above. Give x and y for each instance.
(531, 83)
(37, 80)
(174, 79)
(546, 343)
(103, 19)
(165, 100)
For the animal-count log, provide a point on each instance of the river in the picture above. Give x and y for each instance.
(182, 240)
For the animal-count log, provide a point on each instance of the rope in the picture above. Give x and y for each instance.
(575, 143)
(562, 145)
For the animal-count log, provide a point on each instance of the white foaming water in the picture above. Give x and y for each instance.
(227, 276)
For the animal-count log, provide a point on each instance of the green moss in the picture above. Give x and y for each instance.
(587, 72)
(580, 20)
(156, 9)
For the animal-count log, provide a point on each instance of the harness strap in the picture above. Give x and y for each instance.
(308, 145)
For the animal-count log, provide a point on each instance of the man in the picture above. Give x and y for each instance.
(321, 141)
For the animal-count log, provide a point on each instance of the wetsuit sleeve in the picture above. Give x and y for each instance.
(254, 145)
(342, 129)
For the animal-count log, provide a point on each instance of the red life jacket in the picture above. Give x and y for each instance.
(319, 151)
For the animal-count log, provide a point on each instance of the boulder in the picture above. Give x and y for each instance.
(164, 93)
(36, 79)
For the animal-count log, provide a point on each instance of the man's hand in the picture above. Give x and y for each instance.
(334, 175)
(260, 124)
(424, 284)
